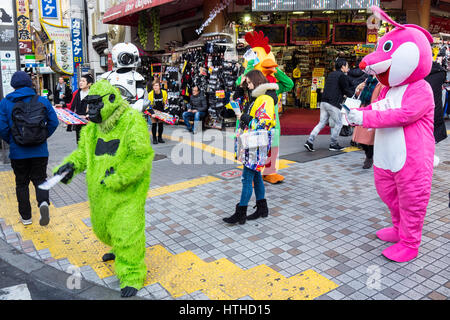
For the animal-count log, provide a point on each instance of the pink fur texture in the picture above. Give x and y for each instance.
(404, 144)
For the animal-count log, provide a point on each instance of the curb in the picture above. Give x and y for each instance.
(55, 278)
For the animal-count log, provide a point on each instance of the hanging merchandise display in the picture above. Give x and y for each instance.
(154, 18)
(142, 29)
(220, 7)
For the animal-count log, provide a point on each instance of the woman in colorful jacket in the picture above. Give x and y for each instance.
(158, 101)
(259, 114)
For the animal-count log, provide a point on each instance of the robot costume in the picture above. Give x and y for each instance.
(124, 77)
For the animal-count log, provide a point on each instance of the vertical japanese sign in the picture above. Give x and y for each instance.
(49, 9)
(24, 26)
(77, 47)
(9, 61)
(62, 47)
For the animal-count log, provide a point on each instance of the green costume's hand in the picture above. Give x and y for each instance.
(67, 167)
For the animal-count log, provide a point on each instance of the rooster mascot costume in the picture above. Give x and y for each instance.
(404, 143)
(115, 151)
(267, 64)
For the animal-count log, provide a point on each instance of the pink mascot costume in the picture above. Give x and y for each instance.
(404, 144)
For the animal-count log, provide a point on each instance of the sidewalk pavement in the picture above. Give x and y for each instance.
(317, 243)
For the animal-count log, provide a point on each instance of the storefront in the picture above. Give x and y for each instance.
(174, 50)
(306, 38)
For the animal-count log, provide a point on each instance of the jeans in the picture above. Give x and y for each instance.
(187, 116)
(26, 170)
(249, 176)
(328, 111)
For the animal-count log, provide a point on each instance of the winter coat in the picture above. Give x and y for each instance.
(6, 123)
(258, 115)
(151, 98)
(436, 78)
(198, 103)
(356, 76)
(67, 94)
(336, 86)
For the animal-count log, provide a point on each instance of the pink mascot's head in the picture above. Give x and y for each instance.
(402, 56)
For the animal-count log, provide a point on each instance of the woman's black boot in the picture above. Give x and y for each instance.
(261, 210)
(239, 216)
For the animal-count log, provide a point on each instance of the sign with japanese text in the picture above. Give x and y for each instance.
(24, 26)
(49, 9)
(62, 47)
(9, 67)
(77, 48)
(310, 31)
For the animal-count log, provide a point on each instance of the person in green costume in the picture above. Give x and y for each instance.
(115, 151)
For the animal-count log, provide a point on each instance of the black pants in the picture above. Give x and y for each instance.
(26, 170)
(368, 150)
(77, 129)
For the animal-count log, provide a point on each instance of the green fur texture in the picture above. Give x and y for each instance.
(118, 205)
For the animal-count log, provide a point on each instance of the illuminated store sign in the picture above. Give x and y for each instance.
(298, 5)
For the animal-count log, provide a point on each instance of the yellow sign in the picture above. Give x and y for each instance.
(24, 26)
(296, 73)
(313, 103)
(318, 72)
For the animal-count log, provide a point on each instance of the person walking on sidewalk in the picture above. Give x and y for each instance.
(336, 86)
(256, 116)
(197, 109)
(27, 139)
(79, 103)
(158, 101)
(367, 92)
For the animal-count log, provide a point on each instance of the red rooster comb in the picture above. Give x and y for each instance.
(257, 39)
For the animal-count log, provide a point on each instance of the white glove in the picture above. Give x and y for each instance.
(355, 117)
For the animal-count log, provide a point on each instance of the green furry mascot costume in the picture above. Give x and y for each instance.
(115, 151)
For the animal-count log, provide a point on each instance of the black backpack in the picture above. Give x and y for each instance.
(29, 123)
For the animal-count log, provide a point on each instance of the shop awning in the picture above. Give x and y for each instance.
(126, 13)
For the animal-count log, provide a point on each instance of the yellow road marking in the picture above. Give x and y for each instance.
(207, 148)
(281, 163)
(180, 186)
(351, 149)
(67, 236)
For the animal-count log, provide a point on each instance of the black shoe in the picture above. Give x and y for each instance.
(335, 147)
(309, 146)
(108, 257)
(160, 140)
(261, 210)
(239, 216)
(128, 292)
(368, 163)
(155, 141)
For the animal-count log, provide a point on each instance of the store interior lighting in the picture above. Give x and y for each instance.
(247, 18)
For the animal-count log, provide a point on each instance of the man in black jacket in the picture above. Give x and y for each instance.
(336, 86)
(62, 94)
(436, 79)
(197, 109)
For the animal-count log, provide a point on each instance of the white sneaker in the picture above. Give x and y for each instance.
(45, 217)
(26, 222)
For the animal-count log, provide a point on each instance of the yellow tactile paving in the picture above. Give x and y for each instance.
(67, 236)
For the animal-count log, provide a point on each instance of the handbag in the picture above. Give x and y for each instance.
(254, 139)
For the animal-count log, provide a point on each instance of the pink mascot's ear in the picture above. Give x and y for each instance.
(424, 31)
(380, 14)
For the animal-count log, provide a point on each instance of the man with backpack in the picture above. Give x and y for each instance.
(26, 121)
